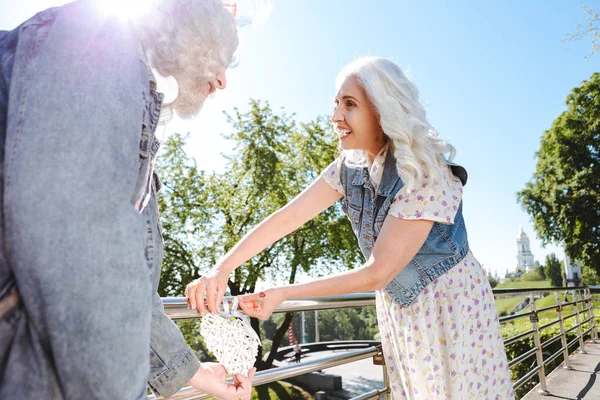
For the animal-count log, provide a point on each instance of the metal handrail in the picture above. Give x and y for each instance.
(176, 308)
(522, 357)
(373, 394)
(521, 335)
(288, 371)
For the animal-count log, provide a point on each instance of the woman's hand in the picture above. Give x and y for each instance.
(210, 378)
(207, 291)
(261, 305)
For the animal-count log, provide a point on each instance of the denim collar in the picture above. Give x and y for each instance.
(388, 180)
(361, 176)
(390, 177)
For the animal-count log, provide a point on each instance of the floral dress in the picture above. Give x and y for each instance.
(447, 344)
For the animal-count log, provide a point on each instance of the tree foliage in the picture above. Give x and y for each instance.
(563, 197)
(554, 270)
(540, 270)
(204, 215)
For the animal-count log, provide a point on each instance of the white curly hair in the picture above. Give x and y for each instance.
(418, 149)
(188, 40)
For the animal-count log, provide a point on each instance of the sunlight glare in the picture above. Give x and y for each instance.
(124, 8)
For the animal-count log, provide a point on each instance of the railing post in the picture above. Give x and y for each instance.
(386, 383)
(379, 359)
(591, 315)
(578, 320)
(538, 345)
(563, 335)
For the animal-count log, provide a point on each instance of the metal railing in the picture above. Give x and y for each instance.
(581, 300)
(176, 308)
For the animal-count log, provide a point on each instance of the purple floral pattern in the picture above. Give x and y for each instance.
(331, 175)
(447, 344)
(438, 204)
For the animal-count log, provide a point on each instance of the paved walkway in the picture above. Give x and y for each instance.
(582, 382)
(357, 378)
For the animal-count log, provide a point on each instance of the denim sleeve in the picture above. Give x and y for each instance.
(172, 361)
(74, 239)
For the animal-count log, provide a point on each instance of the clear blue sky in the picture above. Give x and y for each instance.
(494, 75)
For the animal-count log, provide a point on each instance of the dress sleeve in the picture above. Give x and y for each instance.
(438, 204)
(331, 175)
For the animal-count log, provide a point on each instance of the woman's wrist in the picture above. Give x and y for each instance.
(225, 267)
(282, 292)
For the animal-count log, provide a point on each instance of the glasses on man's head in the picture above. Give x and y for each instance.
(232, 7)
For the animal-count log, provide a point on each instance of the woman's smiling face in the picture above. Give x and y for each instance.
(355, 119)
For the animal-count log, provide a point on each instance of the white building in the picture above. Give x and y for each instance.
(572, 272)
(525, 260)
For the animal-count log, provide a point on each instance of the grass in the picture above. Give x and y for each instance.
(506, 305)
(523, 284)
(278, 390)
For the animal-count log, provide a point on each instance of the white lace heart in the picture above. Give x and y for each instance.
(231, 339)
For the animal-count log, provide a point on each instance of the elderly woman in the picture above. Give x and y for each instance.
(437, 318)
(81, 248)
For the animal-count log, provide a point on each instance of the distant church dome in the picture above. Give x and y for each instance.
(522, 235)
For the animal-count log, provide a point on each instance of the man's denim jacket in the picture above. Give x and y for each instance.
(80, 236)
(445, 246)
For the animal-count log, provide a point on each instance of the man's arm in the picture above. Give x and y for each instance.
(74, 240)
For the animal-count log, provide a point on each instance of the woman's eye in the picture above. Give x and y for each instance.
(350, 103)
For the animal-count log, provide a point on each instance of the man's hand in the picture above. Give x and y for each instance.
(210, 378)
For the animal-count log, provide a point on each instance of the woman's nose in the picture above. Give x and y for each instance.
(336, 115)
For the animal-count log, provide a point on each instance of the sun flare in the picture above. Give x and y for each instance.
(124, 8)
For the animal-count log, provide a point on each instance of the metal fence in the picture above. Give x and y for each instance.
(578, 297)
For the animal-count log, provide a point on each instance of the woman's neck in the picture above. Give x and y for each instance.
(376, 148)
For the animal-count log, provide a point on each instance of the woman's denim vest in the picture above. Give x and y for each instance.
(445, 246)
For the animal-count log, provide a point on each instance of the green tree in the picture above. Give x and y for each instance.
(540, 270)
(589, 277)
(185, 218)
(533, 275)
(204, 215)
(563, 197)
(343, 324)
(554, 270)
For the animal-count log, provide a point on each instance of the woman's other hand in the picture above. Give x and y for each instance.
(261, 305)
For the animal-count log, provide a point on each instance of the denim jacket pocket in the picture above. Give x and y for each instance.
(354, 213)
